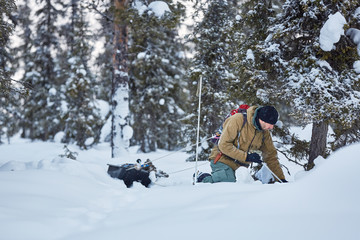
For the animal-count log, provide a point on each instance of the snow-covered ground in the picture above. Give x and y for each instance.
(44, 196)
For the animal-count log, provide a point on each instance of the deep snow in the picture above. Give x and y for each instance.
(44, 196)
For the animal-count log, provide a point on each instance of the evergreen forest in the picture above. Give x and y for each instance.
(127, 72)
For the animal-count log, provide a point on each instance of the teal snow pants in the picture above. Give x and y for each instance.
(220, 173)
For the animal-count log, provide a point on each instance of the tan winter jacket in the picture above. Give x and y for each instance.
(237, 146)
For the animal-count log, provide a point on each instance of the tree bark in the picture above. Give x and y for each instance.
(120, 137)
(318, 142)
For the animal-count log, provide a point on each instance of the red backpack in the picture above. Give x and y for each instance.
(242, 109)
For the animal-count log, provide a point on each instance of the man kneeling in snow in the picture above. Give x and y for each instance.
(242, 136)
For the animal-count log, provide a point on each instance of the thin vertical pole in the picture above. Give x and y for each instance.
(198, 130)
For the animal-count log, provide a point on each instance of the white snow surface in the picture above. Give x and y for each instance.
(45, 196)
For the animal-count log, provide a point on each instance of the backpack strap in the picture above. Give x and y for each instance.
(218, 156)
(244, 122)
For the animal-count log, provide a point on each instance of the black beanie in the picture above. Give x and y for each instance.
(268, 114)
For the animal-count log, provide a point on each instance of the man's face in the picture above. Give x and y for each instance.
(265, 125)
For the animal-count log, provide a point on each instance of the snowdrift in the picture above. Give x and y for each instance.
(44, 196)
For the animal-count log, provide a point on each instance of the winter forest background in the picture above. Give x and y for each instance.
(127, 72)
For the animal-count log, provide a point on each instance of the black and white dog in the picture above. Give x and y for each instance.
(138, 172)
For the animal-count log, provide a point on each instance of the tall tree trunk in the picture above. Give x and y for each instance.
(318, 142)
(121, 131)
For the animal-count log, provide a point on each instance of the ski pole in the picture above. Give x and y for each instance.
(264, 163)
(198, 130)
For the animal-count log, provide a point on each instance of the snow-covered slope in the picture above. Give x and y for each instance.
(44, 196)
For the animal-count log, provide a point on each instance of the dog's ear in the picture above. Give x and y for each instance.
(151, 165)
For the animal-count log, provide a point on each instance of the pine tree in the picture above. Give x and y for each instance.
(121, 132)
(103, 66)
(79, 114)
(9, 94)
(348, 134)
(320, 85)
(214, 52)
(43, 105)
(156, 74)
(115, 17)
(252, 75)
(6, 27)
(103, 62)
(253, 71)
(24, 59)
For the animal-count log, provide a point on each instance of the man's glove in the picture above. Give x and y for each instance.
(253, 157)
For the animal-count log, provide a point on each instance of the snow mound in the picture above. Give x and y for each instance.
(332, 30)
